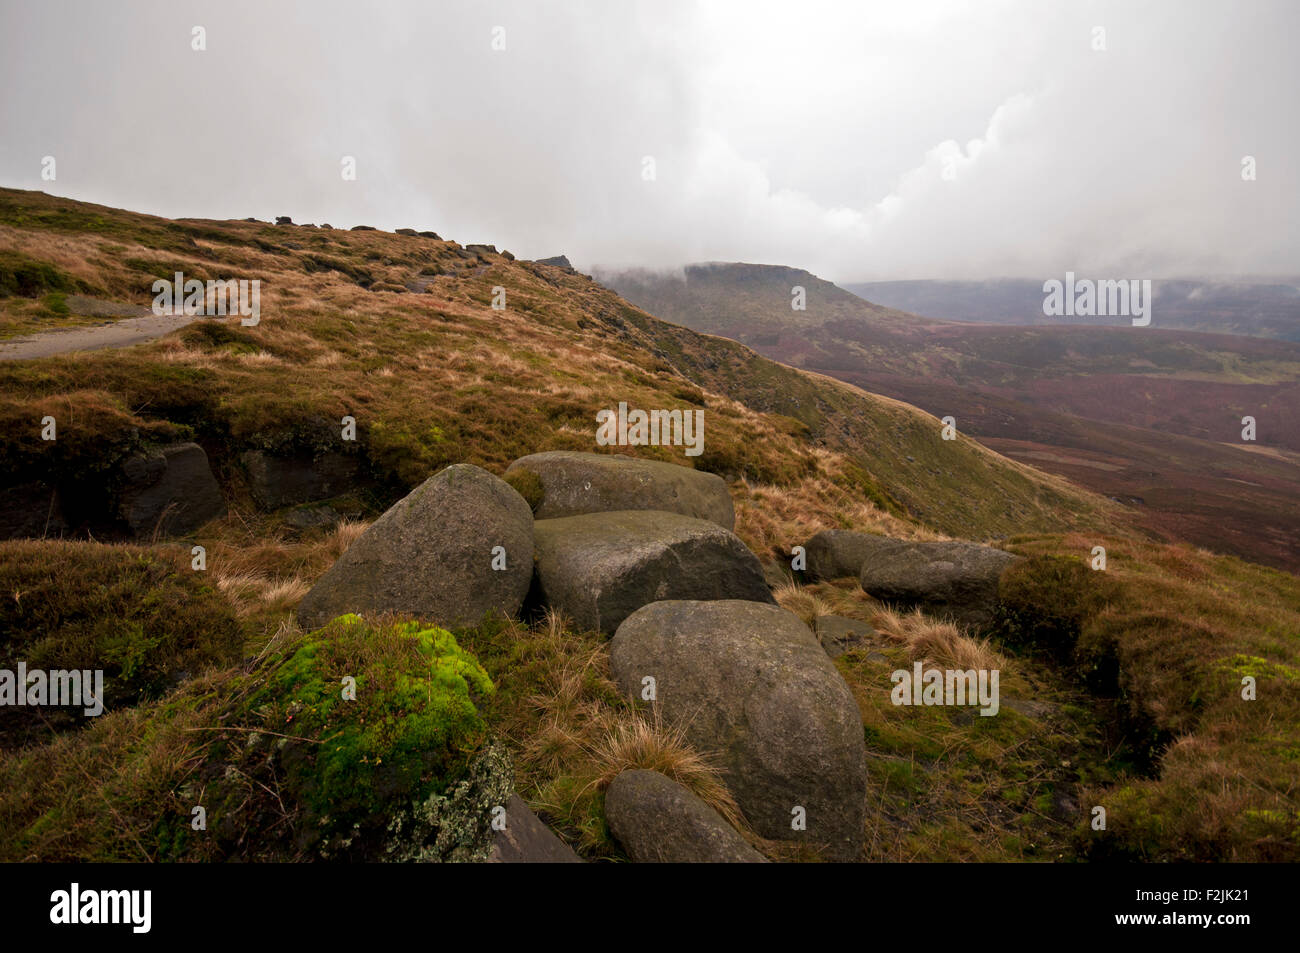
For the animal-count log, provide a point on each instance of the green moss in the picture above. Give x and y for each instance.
(56, 304)
(285, 767)
(1241, 665)
(421, 720)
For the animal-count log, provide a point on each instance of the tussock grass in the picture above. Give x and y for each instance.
(140, 615)
(939, 643)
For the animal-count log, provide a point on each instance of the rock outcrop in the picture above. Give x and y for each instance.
(954, 579)
(170, 491)
(526, 840)
(840, 553)
(289, 480)
(839, 634)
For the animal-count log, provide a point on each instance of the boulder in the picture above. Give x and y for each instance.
(839, 634)
(751, 683)
(602, 567)
(283, 220)
(657, 820)
(955, 579)
(432, 553)
(526, 840)
(170, 490)
(290, 480)
(575, 483)
(558, 261)
(837, 553)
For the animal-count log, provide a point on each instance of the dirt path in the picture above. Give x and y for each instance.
(121, 333)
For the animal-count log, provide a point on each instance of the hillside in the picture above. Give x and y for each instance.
(1149, 417)
(1120, 688)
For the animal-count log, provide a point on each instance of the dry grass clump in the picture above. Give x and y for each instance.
(941, 643)
(645, 741)
(803, 602)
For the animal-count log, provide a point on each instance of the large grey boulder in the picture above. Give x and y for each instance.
(657, 820)
(576, 483)
(431, 555)
(170, 490)
(751, 683)
(837, 553)
(526, 840)
(955, 579)
(602, 567)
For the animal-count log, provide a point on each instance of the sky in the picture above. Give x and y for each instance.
(862, 141)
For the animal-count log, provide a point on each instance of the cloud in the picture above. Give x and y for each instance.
(860, 141)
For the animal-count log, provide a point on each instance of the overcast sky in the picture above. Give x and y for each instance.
(862, 141)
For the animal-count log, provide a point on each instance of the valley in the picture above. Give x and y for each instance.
(1150, 418)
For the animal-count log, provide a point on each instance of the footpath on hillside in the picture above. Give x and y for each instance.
(121, 333)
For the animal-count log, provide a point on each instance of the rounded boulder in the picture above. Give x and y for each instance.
(434, 554)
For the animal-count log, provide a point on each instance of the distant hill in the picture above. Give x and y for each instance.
(1256, 307)
(1148, 416)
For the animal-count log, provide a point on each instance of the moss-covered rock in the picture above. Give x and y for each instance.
(286, 760)
(401, 768)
